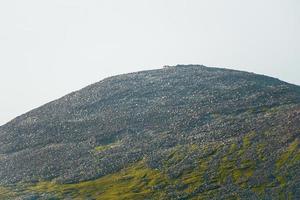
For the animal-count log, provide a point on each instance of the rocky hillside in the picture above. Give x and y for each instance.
(182, 132)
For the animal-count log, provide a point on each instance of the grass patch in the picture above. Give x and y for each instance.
(235, 166)
(6, 193)
(290, 156)
(105, 147)
(135, 182)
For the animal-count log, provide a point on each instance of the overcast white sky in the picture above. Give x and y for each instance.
(49, 48)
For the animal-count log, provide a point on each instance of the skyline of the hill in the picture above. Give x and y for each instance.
(124, 74)
(51, 48)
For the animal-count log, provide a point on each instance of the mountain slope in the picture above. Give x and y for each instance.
(180, 132)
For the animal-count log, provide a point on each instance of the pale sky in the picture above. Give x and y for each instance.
(49, 48)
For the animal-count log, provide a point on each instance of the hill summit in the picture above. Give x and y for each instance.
(180, 132)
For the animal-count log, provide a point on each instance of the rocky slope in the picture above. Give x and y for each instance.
(182, 132)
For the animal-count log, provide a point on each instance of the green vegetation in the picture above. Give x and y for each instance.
(195, 178)
(6, 193)
(139, 181)
(105, 147)
(260, 148)
(135, 182)
(101, 148)
(234, 163)
(290, 156)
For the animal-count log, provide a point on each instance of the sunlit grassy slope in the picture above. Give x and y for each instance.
(203, 181)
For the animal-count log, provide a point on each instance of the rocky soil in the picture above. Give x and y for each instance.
(180, 132)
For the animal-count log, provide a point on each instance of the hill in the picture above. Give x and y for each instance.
(181, 132)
